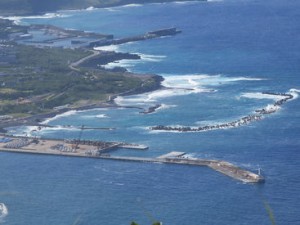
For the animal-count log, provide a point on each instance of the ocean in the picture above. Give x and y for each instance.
(228, 53)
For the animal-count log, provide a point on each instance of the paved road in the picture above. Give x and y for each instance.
(73, 65)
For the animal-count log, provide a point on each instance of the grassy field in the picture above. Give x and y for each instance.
(35, 79)
(44, 80)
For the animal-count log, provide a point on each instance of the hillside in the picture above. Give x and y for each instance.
(23, 7)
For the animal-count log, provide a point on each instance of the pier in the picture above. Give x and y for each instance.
(149, 35)
(101, 149)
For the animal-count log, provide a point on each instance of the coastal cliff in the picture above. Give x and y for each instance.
(106, 57)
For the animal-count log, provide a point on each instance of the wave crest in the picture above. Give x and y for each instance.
(130, 5)
(259, 95)
(179, 85)
(66, 114)
(3, 211)
(18, 19)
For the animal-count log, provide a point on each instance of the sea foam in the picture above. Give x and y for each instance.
(3, 212)
(90, 8)
(151, 58)
(108, 48)
(199, 80)
(100, 116)
(130, 5)
(258, 95)
(179, 85)
(66, 114)
(152, 97)
(214, 0)
(294, 92)
(18, 19)
(129, 63)
(166, 106)
(126, 63)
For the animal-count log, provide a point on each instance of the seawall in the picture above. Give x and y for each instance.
(100, 150)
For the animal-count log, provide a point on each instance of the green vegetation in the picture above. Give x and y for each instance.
(47, 59)
(7, 27)
(44, 80)
(38, 6)
(34, 79)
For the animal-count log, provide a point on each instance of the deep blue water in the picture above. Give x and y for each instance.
(231, 47)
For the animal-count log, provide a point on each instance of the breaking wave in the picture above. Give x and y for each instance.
(294, 92)
(152, 97)
(126, 63)
(258, 95)
(101, 116)
(130, 5)
(108, 48)
(129, 63)
(151, 58)
(178, 86)
(192, 81)
(165, 106)
(90, 8)
(184, 2)
(24, 131)
(66, 114)
(3, 212)
(18, 19)
(214, 0)
(281, 98)
(37, 131)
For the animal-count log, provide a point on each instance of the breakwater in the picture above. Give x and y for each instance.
(101, 149)
(258, 115)
(151, 109)
(146, 36)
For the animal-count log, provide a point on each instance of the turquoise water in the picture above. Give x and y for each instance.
(228, 52)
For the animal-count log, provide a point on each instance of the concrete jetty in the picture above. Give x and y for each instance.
(235, 172)
(100, 150)
(149, 35)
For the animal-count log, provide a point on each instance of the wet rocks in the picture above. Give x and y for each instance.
(237, 123)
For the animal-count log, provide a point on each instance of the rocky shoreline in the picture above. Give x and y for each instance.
(151, 109)
(35, 120)
(31, 8)
(106, 57)
(149, 82)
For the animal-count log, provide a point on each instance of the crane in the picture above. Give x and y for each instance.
(77, 142)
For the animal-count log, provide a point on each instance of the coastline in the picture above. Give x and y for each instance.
(148, 82)
(87, 149)
(256, 116)
(36, 120)
(232, 56)
(83, 6)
